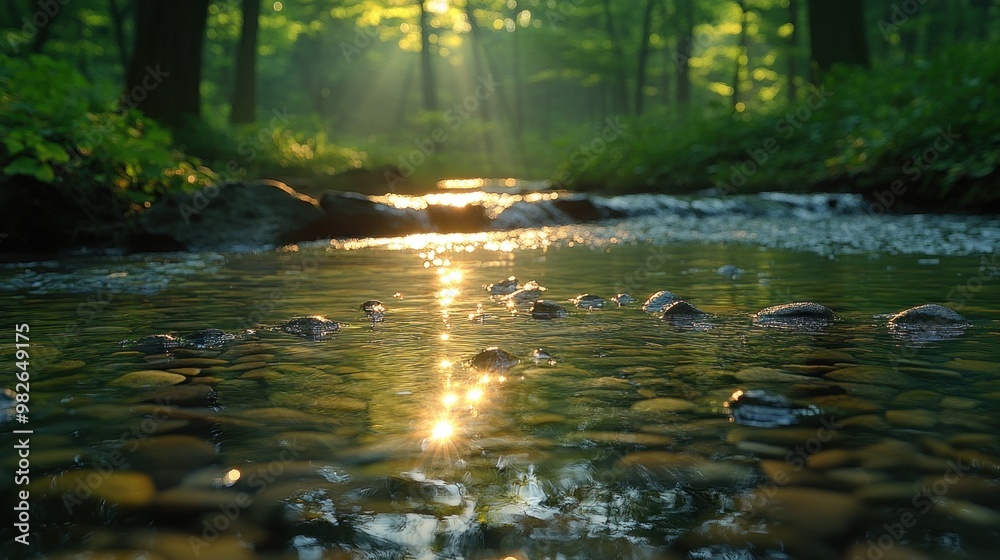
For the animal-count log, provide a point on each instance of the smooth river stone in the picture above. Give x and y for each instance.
(917, 398)
(187, 371)
(173, 451)
(686, 469)
(622, 438)
(972, 366)
(255, 358)
(789, 437)
(191, 501)
(844, 405)
(817, 513)
(930, 314)
(829, 357)
(542, 418)
(245, 366)
(831, 459)
(869, 374)
(888, 493)
(971, 514)
(181, 395)
(148, 378)
(188, 362)
(126, 488)
(178, 545)
(959, 402)
(912, 418)
(794, 311)
(283, 415)
(868, 422)
(662, 405)
(769, 375)
(65, 365)
(929, 373)
(262, 374)
(762, 449)
(970, 487)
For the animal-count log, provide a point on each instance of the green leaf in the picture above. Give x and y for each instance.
(48, 151)
(14, 145)
(30, 168)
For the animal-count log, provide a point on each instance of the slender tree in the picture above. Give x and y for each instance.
(620, 87)
(244, 102)
(685, 46)
(793, 50)
(164, 77)
(640, 77)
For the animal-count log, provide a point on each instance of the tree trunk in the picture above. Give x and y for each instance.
(837, 34)
(685, 44)
(621, 86)
(42, 33)
(640, 76)
(245, 92)
(793, 50)
(741, 51)
(164, 77)
(427, 70)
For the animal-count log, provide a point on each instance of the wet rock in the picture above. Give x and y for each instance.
(869, 374)
(351, 214)
(125, 488)
(588, 301)
(829, 357)
(503, 287)
(656, 302)
(623, 299)
(680, 309)
(445, 218)
(814, 512)
(685, 469)
(763, 409)
(314, 327)
(806, 313)
(539, 355)
(148, 378)
(912, 418)
(374, 310)
(8, 400)
(968, 513)
(261, 213)
(528, 293)
(182, 395)
(622, 438)
(542, 309)
(663, 405)
(730, 271)
(155, 344)
(208, 338)
(931, 314)
(494, 359)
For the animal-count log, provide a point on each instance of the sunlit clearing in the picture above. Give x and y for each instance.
(449, 400)
(442, 431)
(474, 395)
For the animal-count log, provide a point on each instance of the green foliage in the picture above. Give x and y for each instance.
(873, 130)
(55, 131)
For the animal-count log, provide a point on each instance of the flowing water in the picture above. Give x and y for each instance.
(632, 438)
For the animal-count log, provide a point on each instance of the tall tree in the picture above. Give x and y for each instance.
(640, 77)
(245, 93)
(118, 25)
(793, 50)
(427, 70)
(164, 77)
(837, 33)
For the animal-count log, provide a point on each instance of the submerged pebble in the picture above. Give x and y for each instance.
(314, 327)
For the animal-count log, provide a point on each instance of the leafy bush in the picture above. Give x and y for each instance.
(54, 132)
(874, 130)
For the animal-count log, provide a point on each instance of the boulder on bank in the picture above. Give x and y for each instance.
(260, 213)
(350, 214)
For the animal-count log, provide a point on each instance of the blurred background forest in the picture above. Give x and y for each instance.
(146, 97)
